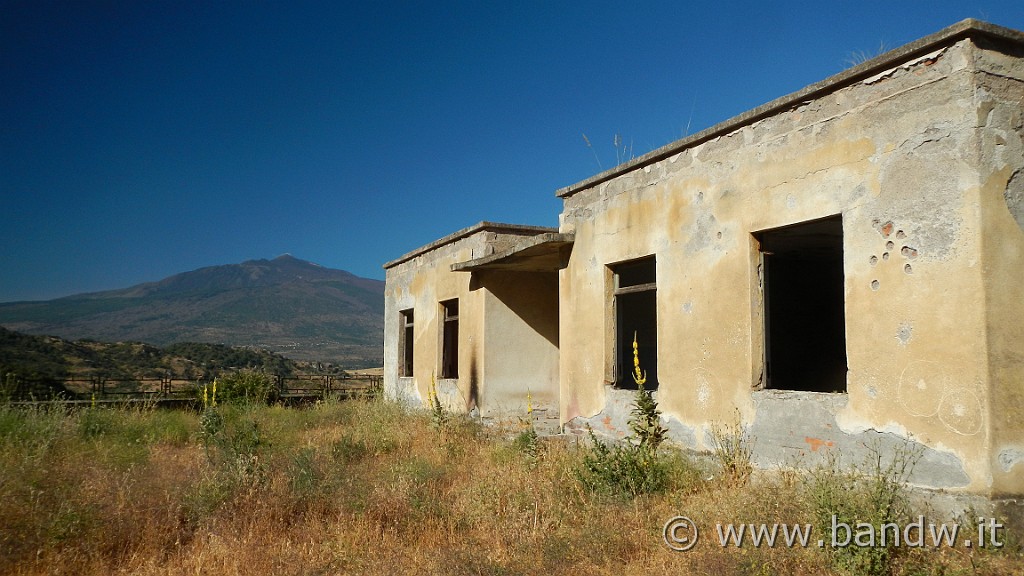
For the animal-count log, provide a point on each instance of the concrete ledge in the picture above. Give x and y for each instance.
(469, 231)
(541, 253)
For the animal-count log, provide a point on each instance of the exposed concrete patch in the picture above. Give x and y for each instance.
(1014, 197)
(613, 421)
(905, 331)
(405, 393)
(680, 434)
(929, 162)
(798, 429)
(1009, 458)
(702, 232)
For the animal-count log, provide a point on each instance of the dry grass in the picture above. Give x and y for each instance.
(362, 487)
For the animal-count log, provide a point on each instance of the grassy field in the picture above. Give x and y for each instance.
(366, 487)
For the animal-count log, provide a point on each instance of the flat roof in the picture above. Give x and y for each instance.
(546, 252)
(892, 58)
(519, 229)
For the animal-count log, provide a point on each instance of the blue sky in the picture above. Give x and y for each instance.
(143, 139)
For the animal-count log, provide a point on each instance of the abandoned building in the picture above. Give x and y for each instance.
(837, 269)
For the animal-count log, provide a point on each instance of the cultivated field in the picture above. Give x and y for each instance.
(365, 487)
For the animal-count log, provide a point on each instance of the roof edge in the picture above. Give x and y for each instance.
(523, 245)
(522, 229)
(965, 28)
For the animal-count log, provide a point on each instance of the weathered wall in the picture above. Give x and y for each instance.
(421, 284)
(999, 102)
(892, 154)
(493, 378)
(521, 329)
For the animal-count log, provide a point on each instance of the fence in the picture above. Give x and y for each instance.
(174, 390)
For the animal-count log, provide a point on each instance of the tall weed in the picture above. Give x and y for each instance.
(872, 493)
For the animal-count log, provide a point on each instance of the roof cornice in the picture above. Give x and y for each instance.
(519, 229)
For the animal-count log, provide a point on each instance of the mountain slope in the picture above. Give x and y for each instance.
(296, 308)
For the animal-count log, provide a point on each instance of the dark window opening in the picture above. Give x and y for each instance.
(805, 321)
(635, 304)
(405, 340)
(450, 339)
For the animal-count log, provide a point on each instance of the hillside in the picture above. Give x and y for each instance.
(54, 359)
(286, 305)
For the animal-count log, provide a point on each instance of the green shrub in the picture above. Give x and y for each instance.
(247, 385)
(633, 467)
(627, 468)
(873, 493)
(528, 444)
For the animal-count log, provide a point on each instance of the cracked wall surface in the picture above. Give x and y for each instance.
(922, 160)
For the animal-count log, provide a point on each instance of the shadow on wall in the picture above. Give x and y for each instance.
(533, 296)
(474, 383)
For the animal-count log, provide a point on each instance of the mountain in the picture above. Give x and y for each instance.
(286, 305)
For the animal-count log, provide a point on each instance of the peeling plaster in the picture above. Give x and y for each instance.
(1010, 457)
(927, 58)
(1014, 197)
(800, 429)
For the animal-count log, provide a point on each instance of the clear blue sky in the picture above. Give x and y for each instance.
(140, 139)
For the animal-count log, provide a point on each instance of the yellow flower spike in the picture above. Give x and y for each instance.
(213, 400)
(639, 377)
(529, 403)
(205, 399)
(432, 390)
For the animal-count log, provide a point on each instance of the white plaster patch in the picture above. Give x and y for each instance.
(703, 395)
(961, 412)
(706, 387)
(921, 387)
(688, 307)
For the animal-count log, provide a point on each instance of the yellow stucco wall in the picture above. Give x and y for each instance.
(896, 156)
(495, 310)
(1000, 148)
(921, 154)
